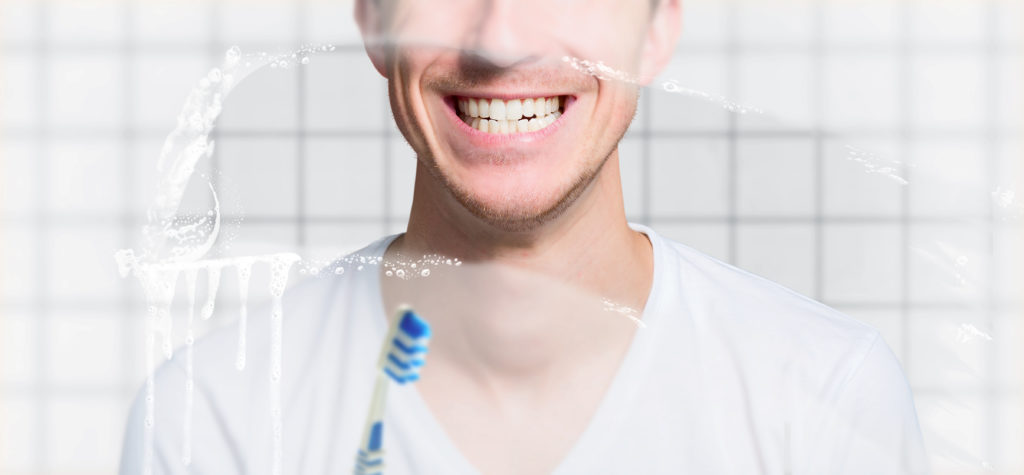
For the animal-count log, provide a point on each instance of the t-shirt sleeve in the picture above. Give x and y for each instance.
(867, 424)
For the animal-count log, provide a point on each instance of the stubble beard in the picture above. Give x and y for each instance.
(508, 215)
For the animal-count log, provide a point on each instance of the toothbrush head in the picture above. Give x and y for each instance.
(407, 348)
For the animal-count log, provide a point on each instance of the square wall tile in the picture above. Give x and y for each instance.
(80, 264)
(86, 90)
(331, 241)
(1009, 433)
(84, 433)
(679, 97)
(252, 239)
(1008, 259)
(19, 160)
(689, 177)
(85, 177)
(862, 263)
(345, 92)
(18, 434)
(266, 100)
(18, 22)
(83, 348)
(948, 349)
(888, 322)
(948, 178)
(18, 87)
(1009, 21)
(173, 21)
(765, 22)
(704, 22)
(330, 21)
(954, 431)
(1010, 76)
(19, 259)
(862, 177)
(248, 22)
(18, 336)
(1007, 336)
(264, 170)
(1009, 168)
(403, 177)
(344, 177)
(861, 22)
(710, 239)
(162, 83)
(775, 177)
(949, 263)
(861, 92)
(947, 21)
(782, 253)
(86, 21)
(947, 91)
(780, 85)
(632, 173)
(397, 227)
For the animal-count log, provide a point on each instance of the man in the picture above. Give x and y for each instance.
(717, 370)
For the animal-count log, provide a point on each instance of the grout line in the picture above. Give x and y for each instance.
(904, 87)
(731, 52)
(41, 230)
(818, 95)
(301, 9)
(992, 418)
(645, 160)
(85, 131)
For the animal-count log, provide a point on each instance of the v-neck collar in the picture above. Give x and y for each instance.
(603, 422)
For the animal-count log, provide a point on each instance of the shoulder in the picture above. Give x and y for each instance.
(767, 322)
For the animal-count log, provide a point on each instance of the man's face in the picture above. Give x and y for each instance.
(482, 92)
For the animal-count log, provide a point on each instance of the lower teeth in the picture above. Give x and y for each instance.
(511, 126)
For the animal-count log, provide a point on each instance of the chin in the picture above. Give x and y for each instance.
(515, 203)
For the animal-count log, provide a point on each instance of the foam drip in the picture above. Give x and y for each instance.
(173, 244)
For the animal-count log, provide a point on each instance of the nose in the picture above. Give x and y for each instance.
(505, 34)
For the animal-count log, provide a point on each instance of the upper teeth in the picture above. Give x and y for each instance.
(510, 116)
(497, 109)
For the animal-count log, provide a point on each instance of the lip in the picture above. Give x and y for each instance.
(489, 140)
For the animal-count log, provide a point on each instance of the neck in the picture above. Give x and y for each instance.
(589, 248)
(590, 245)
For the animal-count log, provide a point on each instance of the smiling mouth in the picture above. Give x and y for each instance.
(496, 116)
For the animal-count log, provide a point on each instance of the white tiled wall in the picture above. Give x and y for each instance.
(931, 88)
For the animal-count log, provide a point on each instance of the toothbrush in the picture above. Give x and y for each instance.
(401, 357)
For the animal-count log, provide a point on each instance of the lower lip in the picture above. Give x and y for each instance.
(486, 139)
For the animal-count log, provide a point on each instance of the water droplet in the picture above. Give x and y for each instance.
(340, 270)
(400, 273)
(449, 262)
(233, 55)
(425, 272)
(359, 268)
(215, 75)
(305, 60)
(388, 273)
(413, 265)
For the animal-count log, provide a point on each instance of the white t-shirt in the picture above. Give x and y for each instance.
(732, 374)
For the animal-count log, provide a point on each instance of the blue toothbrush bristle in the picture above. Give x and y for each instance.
(408, 348)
